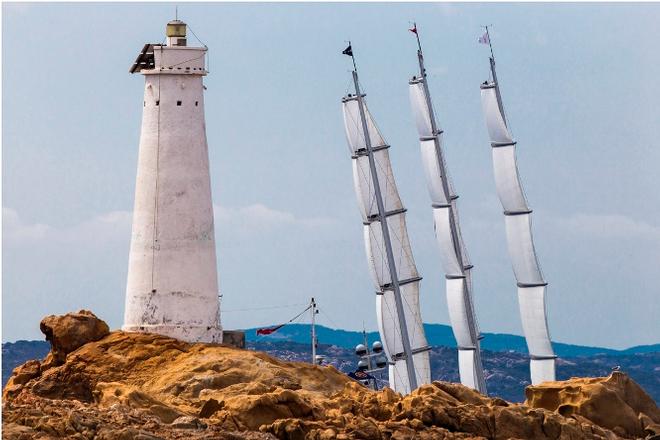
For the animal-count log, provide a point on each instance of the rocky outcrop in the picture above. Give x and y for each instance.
(71, 331)
(145, 386)
(615, 402)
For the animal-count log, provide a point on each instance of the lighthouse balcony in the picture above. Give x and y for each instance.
(178, 60)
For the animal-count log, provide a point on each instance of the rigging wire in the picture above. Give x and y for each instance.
(154, 238)
(328, 318)
(195, 35)
(249, 309)
(347, 87)
(207, 54)
(297, 316)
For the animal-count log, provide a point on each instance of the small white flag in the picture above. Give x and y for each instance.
(484, 39)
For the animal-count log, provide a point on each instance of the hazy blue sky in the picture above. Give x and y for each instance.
(579, 81)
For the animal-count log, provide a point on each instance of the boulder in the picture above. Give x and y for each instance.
(69, 332)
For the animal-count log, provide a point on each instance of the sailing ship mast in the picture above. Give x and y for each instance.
(517, 215)
(387, 245)
(445, 212)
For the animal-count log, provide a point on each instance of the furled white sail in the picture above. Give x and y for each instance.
(531, 284)
(405, 271)
(455, 260)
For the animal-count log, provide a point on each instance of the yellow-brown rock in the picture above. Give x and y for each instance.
(67, 333)
(615, 402)
(144, 386)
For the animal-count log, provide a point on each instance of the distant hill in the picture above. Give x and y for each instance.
(17, 353)
(507, 371)
(654, 348)
(437, 335)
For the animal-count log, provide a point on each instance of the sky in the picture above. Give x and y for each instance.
(579, 83)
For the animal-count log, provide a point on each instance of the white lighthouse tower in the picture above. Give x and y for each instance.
(172, 286)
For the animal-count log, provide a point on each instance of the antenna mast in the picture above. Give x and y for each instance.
(313, 308)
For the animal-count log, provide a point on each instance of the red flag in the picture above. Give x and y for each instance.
(268, 330)
(413, 29)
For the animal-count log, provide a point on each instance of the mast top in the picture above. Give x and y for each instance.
(349, 51)
(414, 31)
(486, 39)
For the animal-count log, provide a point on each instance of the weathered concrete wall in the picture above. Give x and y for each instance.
(235, 338)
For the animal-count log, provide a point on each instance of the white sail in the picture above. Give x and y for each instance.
(403, 258)
(455, 260)
(532, 312)
(364, 186)
(433, 173)
(407, 276)
(542, 370)
(531, 284)
(497, 129)
(466, 363)
(521, 249)
(353, 126)
(507, 182)
(392, 338)
(398, 373)
(421, 110)
(443, 234)
(436, 173)
(459, 235)
(458, 312)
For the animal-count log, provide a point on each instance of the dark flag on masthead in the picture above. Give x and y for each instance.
(348, 51)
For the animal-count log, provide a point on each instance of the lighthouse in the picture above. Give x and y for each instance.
(172, 286)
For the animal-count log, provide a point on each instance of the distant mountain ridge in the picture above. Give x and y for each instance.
(436, 335)
(508, 370)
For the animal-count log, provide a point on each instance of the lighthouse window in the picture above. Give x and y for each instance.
(178, 103)
(157, 102)
(196, 102)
